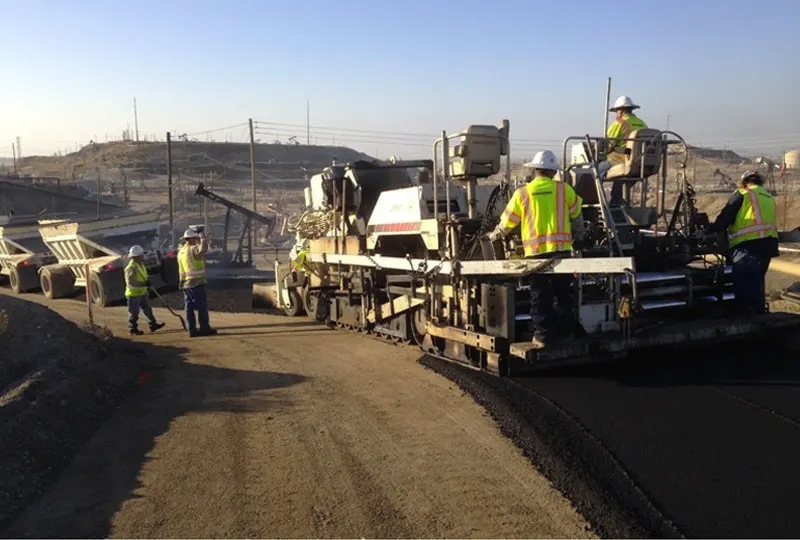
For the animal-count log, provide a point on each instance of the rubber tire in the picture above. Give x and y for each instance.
(170, 274)
(57, 282)
(97, 291)
(310, 298)
(14, 282)
(296, 307)
(47, 285)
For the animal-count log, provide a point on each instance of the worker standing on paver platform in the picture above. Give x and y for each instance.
(192, 269)
(136, 285)
(544, 209)
(749, 218)
(621, 129)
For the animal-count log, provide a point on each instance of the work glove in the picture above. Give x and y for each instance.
(494, 236)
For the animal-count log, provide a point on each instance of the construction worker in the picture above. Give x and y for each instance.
(192, 269)
(544, 210)
(749, 219)
(136, 289)
(621, 129)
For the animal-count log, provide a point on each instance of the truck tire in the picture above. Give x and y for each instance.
(57, 281)
(23, 279)
(169, 273)
(107, 288)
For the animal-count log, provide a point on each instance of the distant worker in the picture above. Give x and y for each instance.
(192, 269)
(136, 292)
(749, 218)
(621, 129)
(544, 209)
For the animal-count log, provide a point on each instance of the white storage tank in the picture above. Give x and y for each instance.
(792, 159)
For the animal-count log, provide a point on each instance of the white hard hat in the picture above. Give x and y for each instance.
(623, 102)
(135, 251)
(190, 233)
(544, 160)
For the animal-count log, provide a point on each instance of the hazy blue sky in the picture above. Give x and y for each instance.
(727, 72)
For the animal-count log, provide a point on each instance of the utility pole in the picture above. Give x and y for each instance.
(169, 188)
(136, 120)
(14, 153)
(253, 225)
(308, 124)
(667, 121)
(97, 172)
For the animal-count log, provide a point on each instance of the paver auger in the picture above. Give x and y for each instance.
(397, 249)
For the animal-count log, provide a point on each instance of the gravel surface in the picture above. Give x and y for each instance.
(57, 385)
(281, 427)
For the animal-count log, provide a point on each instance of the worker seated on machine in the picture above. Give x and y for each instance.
(620, 130)
(749, 219)
(544, 210)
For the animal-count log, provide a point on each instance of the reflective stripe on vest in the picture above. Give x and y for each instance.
(141, 275)
(755, 218)
(541, 233)
(190, 268)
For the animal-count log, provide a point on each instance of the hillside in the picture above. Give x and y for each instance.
(194, 158)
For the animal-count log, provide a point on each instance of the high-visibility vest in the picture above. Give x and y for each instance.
(300, 263)
(756, 217)
(141, 275)
(190, 268)
(619, 130)
(543, 209)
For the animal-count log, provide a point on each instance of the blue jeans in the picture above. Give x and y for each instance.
(135, 304)
(194, 299)
(749, 275)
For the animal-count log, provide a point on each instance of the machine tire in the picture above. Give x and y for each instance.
(23, 279)
(310, 299)
(13, 280)
(107, 288)
(295, 309)
(56, 282)
(169, 273)
(416, 323)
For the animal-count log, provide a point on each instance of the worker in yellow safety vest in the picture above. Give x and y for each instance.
(192, 270)
(545, 209)
(749, 219)
(625, 123)
(137, 284)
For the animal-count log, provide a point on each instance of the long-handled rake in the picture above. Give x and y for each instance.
(183, 323)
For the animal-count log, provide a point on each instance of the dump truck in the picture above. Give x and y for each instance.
(400, 250)
(93, 254)
(22, 254)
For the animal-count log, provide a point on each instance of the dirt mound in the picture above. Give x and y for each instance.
(194, 157)
(57, 385)
(29, 200)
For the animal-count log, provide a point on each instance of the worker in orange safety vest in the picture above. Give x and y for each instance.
(545, 210)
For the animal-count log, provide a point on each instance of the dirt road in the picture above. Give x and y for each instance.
(281, 428)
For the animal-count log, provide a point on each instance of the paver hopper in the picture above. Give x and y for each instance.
(22, 253)
(102, 246)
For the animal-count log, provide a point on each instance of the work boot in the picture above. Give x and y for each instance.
(208, 332)
(136, 332)
(194, 333)
(154, 327)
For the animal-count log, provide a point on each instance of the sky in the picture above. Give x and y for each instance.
(387, 77)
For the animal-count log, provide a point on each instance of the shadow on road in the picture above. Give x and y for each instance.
(84, 499)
